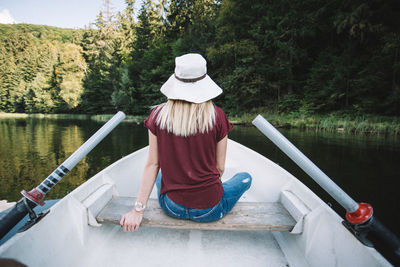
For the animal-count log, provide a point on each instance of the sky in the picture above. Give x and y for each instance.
(61, 13)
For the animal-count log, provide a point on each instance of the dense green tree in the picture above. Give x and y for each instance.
(308, 56)
(126, 28)
(237, 58)
(39, 75)
(141, 78)
(98, 51)
(190, 25)
(19, 59)
(38, 96)
(69, 73)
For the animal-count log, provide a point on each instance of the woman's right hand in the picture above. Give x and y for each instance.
(131, 220)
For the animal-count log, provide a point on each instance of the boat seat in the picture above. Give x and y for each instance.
(271, 216)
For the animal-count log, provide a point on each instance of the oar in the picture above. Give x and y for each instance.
(35, 197)
(359, 216)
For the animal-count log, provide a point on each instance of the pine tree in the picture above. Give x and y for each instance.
(149, 56)
(69, 73)
(98, 51)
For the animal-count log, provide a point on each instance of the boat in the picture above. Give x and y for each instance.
(310, 234)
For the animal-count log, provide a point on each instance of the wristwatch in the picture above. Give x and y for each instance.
(139, 206)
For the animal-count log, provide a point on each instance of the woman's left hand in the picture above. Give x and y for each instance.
(131, 220)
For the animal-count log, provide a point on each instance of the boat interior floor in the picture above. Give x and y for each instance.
(109, 245)
(271, 216)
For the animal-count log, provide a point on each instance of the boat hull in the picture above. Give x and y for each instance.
(70, 235)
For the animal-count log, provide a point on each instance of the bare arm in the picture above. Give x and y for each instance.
(150, 170)
(131, 220)
(221, 155)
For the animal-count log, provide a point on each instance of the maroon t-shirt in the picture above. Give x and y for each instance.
(188, 164)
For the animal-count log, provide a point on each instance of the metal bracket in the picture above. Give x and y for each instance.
(360, 231)
(33, 217)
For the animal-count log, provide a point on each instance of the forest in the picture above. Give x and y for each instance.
(304, 56)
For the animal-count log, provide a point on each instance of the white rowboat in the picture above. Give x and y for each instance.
(309, 232)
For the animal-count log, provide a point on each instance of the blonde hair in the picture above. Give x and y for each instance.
(184, 118)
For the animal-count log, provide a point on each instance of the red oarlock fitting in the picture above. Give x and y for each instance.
(34, 195)
(361, 215)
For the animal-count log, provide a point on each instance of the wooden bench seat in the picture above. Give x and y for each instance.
(271, 216)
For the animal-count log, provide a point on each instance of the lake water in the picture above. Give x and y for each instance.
(365, 166)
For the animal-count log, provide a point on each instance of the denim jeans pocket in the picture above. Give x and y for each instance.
(207, 215)
(172, 208)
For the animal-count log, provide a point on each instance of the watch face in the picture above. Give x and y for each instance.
(139, 206)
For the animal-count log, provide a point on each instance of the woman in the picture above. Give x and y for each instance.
(187, 140)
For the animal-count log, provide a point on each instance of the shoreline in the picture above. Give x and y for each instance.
(96, 117)
(341, 123)
(344, 123)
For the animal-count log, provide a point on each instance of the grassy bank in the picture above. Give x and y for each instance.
(101, 117)
(371, 124)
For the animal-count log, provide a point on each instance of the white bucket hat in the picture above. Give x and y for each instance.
(190, 81)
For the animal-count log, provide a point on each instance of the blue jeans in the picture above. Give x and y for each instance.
(233, 190)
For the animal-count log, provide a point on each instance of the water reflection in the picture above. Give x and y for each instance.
(30, 149)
